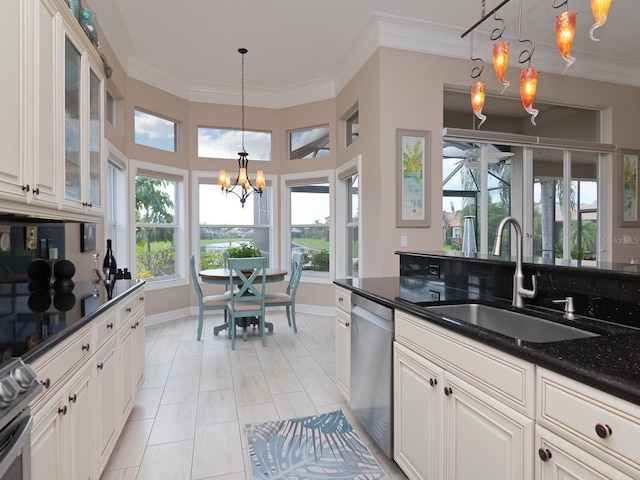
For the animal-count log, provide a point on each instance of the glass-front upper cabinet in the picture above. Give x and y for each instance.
(72, 121)
(95, 140)
(83, 131)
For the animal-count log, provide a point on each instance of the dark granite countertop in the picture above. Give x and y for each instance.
(33, 320)
(609, 362)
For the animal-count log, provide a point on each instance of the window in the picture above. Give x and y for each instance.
(309, 142)
(116, 225)
(309, 205)
(549, 219)
(352, 239)
(226, 143)
(222, 222)
(155, 132)
(111, 109)
(353, 128)
(462, 189)
(159, 222)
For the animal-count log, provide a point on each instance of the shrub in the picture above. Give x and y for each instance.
(320, 261)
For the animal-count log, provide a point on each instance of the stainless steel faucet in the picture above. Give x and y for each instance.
(519, 293)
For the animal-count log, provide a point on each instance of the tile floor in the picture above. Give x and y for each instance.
(188, 420)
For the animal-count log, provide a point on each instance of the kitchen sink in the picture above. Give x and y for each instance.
(509, 323)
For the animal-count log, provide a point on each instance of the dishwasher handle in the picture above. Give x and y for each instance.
(359, 314)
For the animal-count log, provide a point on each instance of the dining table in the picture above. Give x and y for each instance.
(221, 276)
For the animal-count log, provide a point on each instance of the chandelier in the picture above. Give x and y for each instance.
(245, 187)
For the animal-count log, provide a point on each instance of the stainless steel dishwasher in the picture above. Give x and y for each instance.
(372, 370)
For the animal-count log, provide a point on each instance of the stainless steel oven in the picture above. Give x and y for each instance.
(18, 387)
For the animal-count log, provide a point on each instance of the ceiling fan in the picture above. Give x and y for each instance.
(471, 157)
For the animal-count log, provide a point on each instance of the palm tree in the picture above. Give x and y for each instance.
(153, 205)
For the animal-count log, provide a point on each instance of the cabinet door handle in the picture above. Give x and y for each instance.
(46, 383)
(36, 191)
(134, 326)
(603, 430)
(128, 310)
(26, 188)
(433, 382)
(73, 398)
(448, 391)
(544, 454)
(86, 347)
(63, 410)
(347, 324)
(100, 366)
(109, 326)
(142, 299)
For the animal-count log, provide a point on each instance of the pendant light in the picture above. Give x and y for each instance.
(565, 32)
(245, 187)
(600, 10)
(501, 62)
(528, 87)
(500, 54)
(528, 76)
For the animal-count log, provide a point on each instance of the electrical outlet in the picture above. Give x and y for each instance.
(404, 241)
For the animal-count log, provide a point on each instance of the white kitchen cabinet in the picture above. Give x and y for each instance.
(29, 158)
(559, 458)
(80, 453)
(483, 438)
(51, 112)
(62, 434)
(417, 414)
(131, 339)
(48, 450)
(453, 408)
(83, 129)
(78, 417)
(107, 396)
(343, 341)
(602, 428)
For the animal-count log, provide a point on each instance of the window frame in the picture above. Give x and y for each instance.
(327, 176)
(344, 174)
(212, 177)
(180, 220)
(251, 158)
(116, 227)
(290, 155)
(161, 117)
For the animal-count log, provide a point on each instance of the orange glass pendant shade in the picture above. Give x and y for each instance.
(501, 61)
(565, 32)
(600, 9)
(478, 92)
(528, 87)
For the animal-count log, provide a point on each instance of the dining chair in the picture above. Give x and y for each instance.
(247, 303)
(210, 302)
(288, 299)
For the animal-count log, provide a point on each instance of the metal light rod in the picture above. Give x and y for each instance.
(473, 27)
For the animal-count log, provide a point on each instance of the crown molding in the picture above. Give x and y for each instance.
(380, 30)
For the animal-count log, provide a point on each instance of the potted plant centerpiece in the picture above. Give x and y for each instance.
(243, 250)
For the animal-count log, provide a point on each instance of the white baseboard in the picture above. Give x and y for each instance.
(193, 312)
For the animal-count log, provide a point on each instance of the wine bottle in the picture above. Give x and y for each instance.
(109, 267)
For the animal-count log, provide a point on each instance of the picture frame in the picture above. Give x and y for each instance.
(629, 188)
(413, 162)
(87, 237)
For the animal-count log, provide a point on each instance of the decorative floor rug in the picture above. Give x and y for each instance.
(314, 448)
